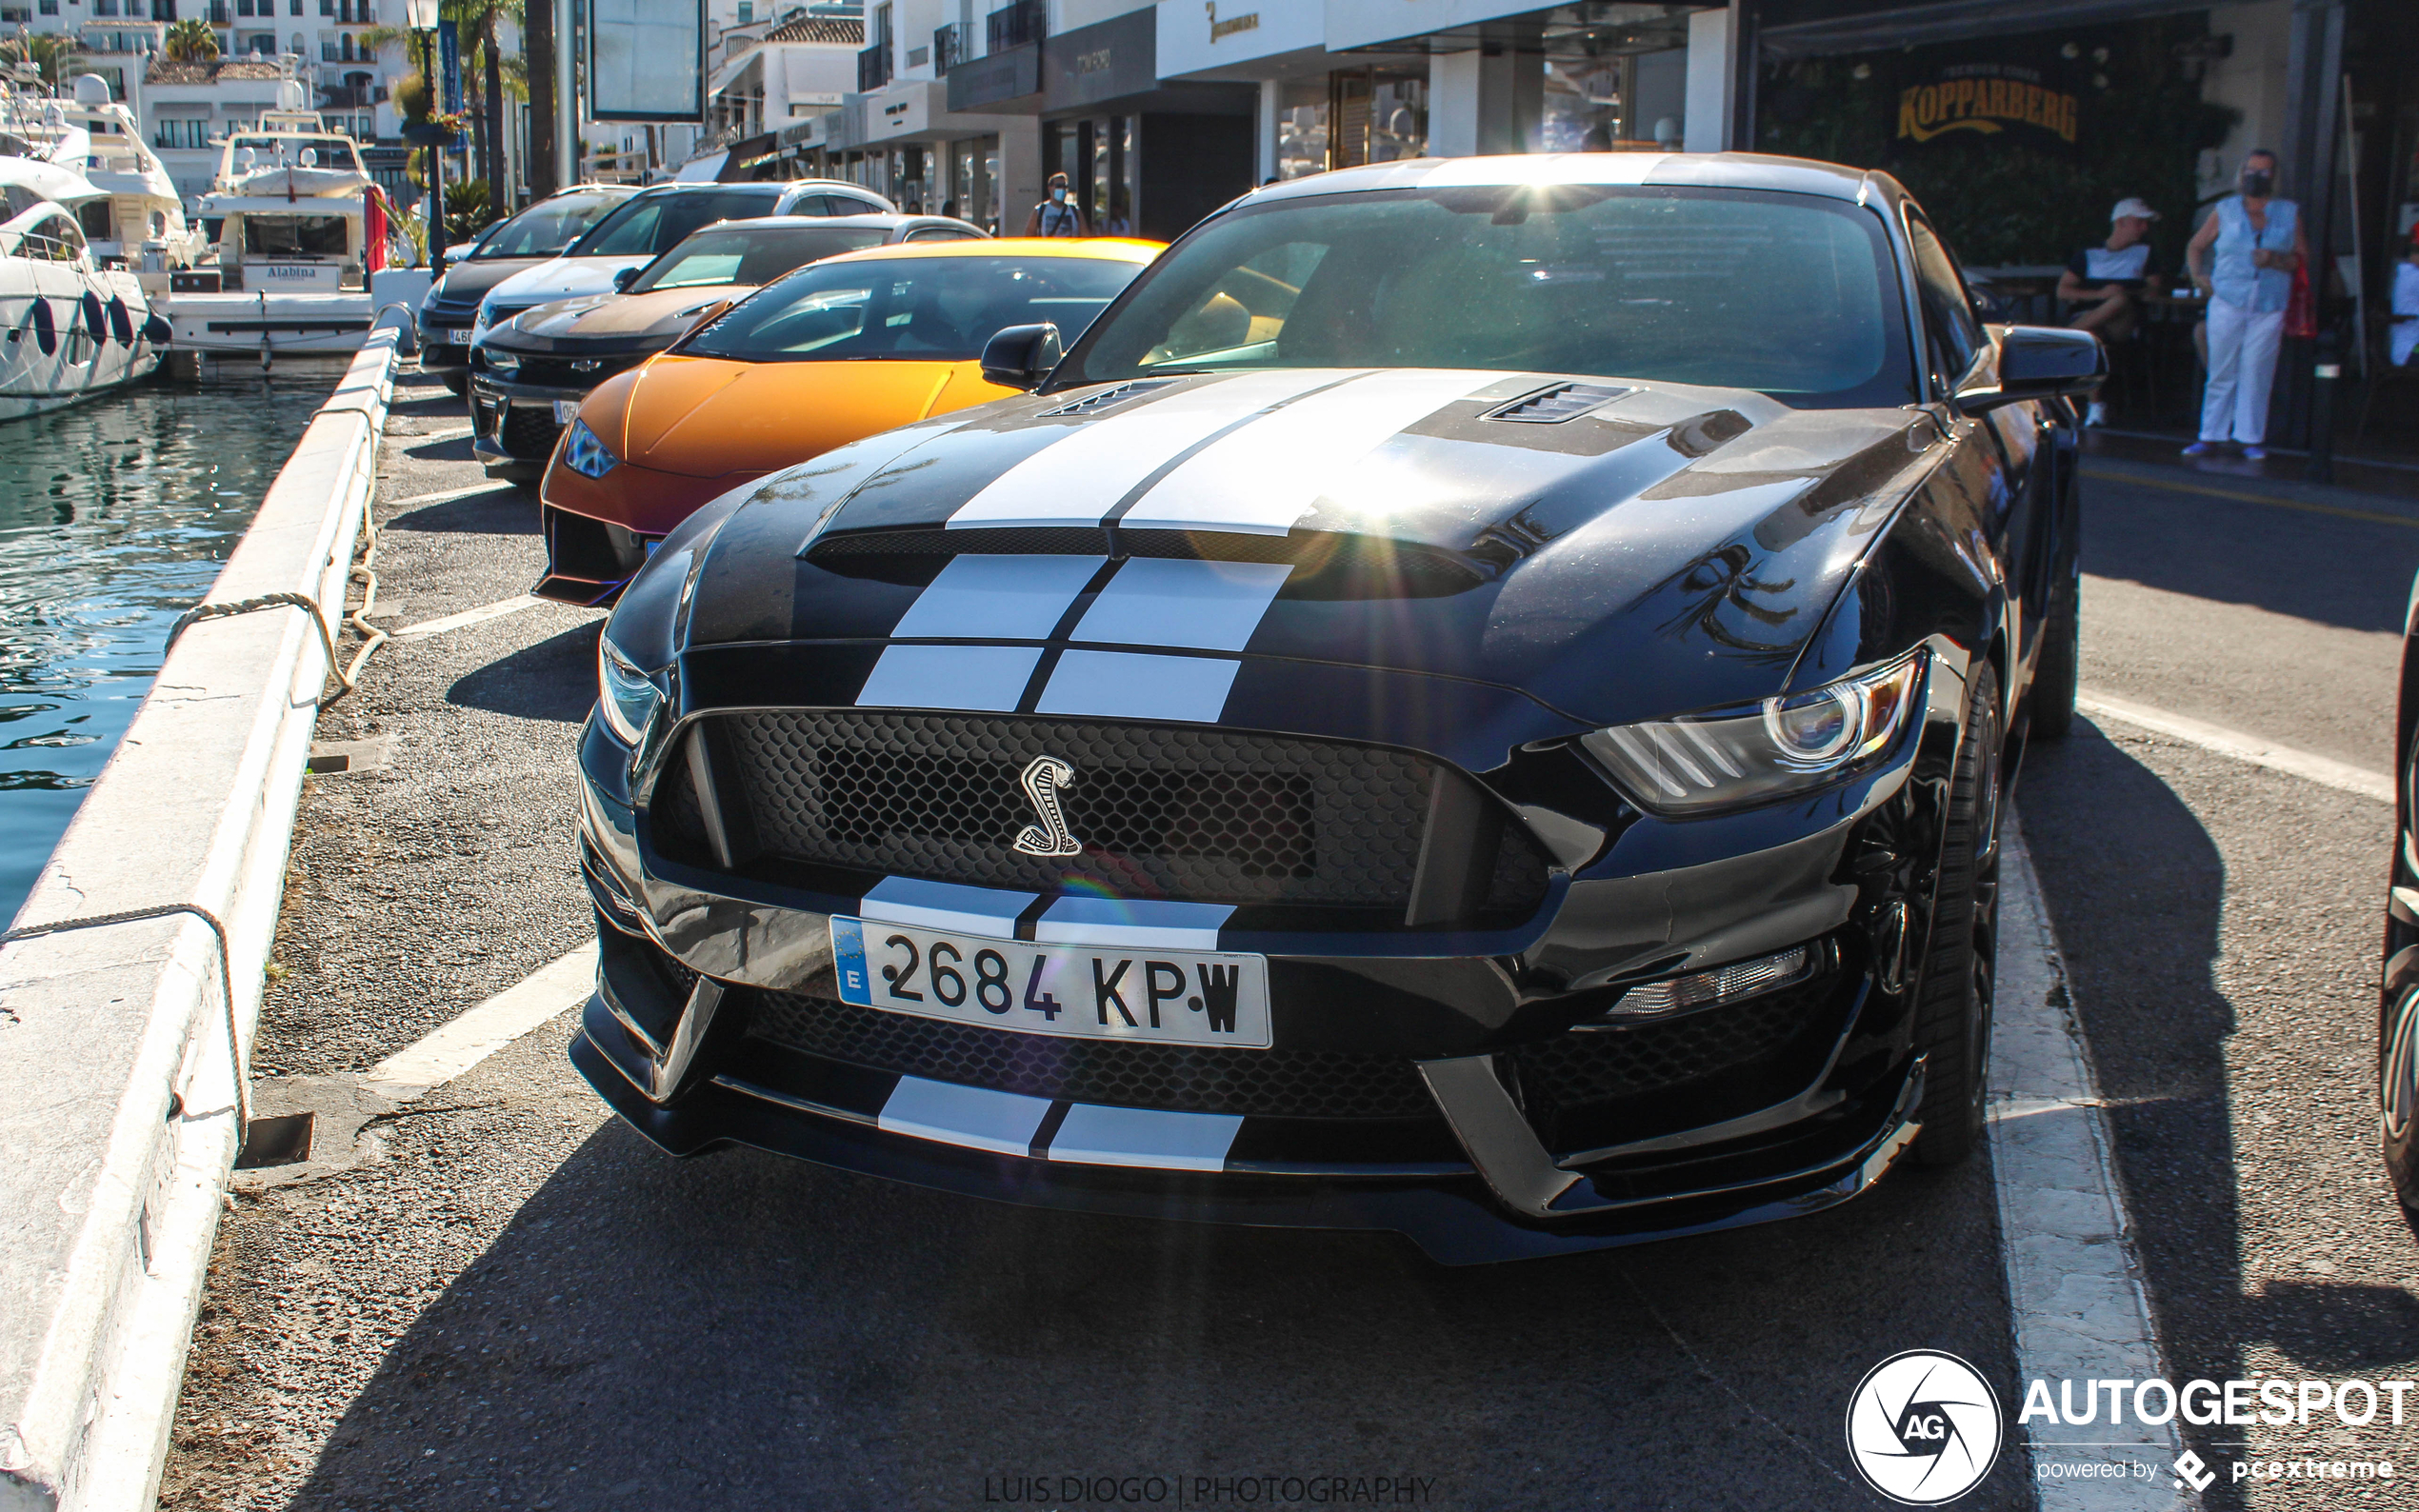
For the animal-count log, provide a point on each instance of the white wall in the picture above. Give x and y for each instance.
(2253, 82)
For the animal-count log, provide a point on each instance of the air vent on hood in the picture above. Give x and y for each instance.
(1562, 402)
(1114, 394)
(1331, 565)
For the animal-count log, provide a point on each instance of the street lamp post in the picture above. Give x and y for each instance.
(422, 15)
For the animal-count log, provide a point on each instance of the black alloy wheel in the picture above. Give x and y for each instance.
(2398, 1097)
(2055, 678)
(1953, 1001)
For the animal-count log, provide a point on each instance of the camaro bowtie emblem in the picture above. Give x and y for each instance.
(1043, 776)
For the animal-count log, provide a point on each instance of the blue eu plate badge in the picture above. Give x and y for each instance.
(848, 961)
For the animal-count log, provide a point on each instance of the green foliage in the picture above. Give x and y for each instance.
(191, 41)
(410, 96)
(2007, 197)
(467, 210)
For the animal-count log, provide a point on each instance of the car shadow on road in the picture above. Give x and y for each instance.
(2136, 887)
(503, 509)
(744, 1332)
(553, 679)
(2330, 570)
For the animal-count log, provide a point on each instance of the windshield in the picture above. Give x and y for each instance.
(745, 254)
(1786, 293)
(545, 229)
(645, 224)
(924, 308)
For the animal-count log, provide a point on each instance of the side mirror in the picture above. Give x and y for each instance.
(1021, 356)
(625, 278)
(2039, 362)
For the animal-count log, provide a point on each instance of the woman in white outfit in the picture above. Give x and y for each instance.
(2243, 259)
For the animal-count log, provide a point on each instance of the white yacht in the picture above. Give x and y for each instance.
(72, 327)
(141, 222)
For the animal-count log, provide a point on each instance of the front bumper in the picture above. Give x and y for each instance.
(1435, 1086)
(445, 348)
(514, 424)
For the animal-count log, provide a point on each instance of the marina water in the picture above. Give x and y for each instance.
(116, 515)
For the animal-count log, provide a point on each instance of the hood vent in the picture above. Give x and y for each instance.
(1114, 394)
(1562, 402)
(1331, 565)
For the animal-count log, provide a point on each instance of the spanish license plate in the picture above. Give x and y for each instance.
(1092, 992)
(565, 411)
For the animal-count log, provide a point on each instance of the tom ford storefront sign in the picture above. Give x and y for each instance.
(1987, 100)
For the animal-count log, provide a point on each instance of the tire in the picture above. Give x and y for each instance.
(1953, 998)
(456, 384)
(2055, 677)
(2398, 1097)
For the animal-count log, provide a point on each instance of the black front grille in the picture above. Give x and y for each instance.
(1195, 1079)
(1571, 1073)
(1198, 813)
(530, 433)
(567, 372)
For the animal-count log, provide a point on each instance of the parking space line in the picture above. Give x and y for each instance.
(2307, 766)
(2247, 496)
(478, 616)
(2076, 1298)
(491, 485)
(454, 1047)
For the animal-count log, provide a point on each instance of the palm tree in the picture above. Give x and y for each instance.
(192, 41)
(52, 52)
(477, 19)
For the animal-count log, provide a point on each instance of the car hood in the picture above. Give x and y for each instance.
(561, 278)
(622, 321)
(707, 417)
(464, 284)
(1613, 548)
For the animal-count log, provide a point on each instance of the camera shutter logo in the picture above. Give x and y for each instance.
(1924, 1428)
(1043, 776)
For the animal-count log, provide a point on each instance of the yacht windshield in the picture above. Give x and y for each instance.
(1791, 295)
(544, 230)
(913, 308)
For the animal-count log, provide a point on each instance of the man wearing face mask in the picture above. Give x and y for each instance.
(2243, 259)
(1058, 215)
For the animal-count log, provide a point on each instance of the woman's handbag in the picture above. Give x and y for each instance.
(2301, 306)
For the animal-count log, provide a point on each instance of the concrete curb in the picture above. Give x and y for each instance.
(117, 1098)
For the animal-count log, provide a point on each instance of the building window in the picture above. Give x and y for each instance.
(105, 7)
(746, 11)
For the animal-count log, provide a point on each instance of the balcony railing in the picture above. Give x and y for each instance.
(874, 67)
(1016, 25)
(949, 48)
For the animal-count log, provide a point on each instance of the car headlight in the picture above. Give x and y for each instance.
(1753, 753)
(625, 697)
(585, 454)
(502, 364)
(486, 318)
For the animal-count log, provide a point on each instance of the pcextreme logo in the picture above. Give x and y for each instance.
(1923, 1427)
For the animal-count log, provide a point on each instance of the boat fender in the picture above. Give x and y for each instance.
(45, 327)
(97, 320)
(121, 321)
(157, 330)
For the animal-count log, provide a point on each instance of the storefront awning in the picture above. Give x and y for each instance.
(1799, 29)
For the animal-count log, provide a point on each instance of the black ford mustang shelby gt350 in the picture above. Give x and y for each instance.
(1473, 701)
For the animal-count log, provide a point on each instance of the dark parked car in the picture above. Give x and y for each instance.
(530, 373)
(1475, 700)
(533, 236)
(2398, 1010)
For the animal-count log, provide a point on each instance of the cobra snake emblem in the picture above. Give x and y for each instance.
(1043, 778)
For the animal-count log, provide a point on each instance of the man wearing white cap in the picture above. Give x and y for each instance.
(2104, 279)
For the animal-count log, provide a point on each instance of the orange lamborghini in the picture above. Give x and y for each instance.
(841, 349)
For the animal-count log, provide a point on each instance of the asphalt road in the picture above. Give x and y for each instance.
(514, 1302)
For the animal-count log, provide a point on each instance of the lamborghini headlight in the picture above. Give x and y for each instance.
(1754, 753)
(585, 454)
(627, 698)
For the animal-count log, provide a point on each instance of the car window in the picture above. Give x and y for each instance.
(939, 233)
(650, 222)
(1949, 312)
(547, 228)
(930, 309)
(745, 254)
(1791, 295)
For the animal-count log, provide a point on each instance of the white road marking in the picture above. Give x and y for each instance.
(467, 617)
(442, 494)
(2258, 752)
(2074, 1285)
(445, 1053)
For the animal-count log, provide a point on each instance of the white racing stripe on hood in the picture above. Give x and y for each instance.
(1159, 601)
(1122, 685)
(1008, 598)
(1077, 480)
(1266, 475)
